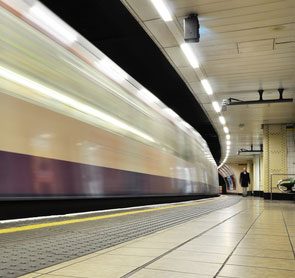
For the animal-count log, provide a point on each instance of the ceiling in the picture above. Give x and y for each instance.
(245, 45)
(112, 29)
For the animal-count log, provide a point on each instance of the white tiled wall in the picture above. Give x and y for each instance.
(291, 151)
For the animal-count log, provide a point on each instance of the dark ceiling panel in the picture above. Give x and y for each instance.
(111, 28)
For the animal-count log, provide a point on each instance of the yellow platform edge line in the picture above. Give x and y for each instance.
(86, 219)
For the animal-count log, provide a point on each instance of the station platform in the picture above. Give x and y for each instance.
(227, 236)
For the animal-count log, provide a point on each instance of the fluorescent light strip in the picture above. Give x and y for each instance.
(14, 77)
(208, 88)
(147, 96)
(52, 24)
(227, 136)
(111, 70)
(186, 125)
(222, 120)
(226, 130)
(216, 106)
(170, 113)
(189, 54)
(228, 143)
(162, 10)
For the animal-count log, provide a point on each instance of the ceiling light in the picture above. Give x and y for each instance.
(70, 102)
(52, 24)
(162, 10)
(228, 143)
(216, 106)
(147, 96)
(222, 120)
(189, 54)
(228, 147)
(45, 136)
(111, 70)
(208, 88)
(226, 130)
(227, 136)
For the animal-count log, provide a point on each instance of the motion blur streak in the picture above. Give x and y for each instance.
(10, 75)
(71, 129)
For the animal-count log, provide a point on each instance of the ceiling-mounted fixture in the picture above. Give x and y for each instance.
(191, 28)
(222, 120)
(234, 101)
(216, 106)
(251, 151)
(207, 88)
(189, 54)
(162, 10)
(226, 130)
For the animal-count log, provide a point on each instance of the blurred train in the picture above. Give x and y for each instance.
(74, 124)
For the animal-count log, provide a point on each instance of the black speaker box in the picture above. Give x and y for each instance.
(191, 28)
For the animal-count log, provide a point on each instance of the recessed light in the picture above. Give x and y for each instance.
(226, 130)
(207, 87)
(216, 106)
(189, 54)
(162, 10)
(222, 120)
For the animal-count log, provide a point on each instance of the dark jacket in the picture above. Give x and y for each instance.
(244, 179)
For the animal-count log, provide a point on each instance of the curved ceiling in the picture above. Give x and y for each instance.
(244, 46)
(111, 28)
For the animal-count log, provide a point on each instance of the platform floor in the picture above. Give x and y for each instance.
(251, 238)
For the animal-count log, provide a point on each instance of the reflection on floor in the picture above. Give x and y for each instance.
(254, 238)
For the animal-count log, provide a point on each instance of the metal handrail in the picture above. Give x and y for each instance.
(271, 175)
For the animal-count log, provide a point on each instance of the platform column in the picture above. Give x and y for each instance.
(256, 175)
(250, 171)
(274, 154)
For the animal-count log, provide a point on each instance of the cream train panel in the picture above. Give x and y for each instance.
(38, 132)
(32, 130)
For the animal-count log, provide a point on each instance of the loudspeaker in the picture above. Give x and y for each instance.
(191, 28)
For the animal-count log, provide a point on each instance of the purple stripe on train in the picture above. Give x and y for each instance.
(27, 175)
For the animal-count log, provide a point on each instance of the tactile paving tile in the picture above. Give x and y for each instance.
(25, 252)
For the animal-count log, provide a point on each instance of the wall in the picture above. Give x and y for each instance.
(275, 155)
(261, 172)
(291, 151)
(250, 171)
(256, 183)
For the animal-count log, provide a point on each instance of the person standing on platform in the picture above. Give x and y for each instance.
(244, 181)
